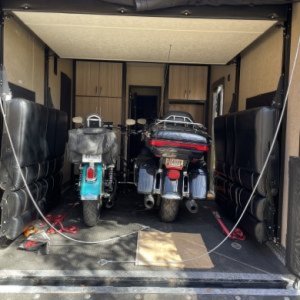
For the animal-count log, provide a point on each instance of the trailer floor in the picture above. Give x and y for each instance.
(242, 261)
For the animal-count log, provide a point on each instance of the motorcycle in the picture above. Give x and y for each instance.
(172, 166)
(93, 146)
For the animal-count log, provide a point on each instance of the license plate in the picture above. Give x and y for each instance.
(174, 163)
(91, 158)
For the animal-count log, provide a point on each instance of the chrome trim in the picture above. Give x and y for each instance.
(185, 193)
(173, 119)
(172, 196)
(91, 197)
(157, 191)
(94, 117)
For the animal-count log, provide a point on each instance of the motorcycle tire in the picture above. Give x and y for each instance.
(90, 212)
(168, 210)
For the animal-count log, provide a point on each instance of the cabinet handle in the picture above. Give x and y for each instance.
(185, 94)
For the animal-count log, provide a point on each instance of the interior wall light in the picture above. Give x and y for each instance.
(26, 6)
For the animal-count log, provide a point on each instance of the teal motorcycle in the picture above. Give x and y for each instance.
(93, 147)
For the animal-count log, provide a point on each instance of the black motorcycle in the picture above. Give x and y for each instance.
(172, 166)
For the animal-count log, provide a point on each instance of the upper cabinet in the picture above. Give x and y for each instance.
(101, 79)
(82, 77)
(188, 82)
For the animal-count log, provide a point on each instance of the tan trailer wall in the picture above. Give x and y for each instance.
(261, 66)
(65, 66)
(144, 74)
(229, 74)
(293, 117)
(24, 61)
(24, 58)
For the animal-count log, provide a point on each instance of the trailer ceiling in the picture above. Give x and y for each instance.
(147, 39)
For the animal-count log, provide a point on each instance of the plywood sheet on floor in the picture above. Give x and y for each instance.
(173, 249)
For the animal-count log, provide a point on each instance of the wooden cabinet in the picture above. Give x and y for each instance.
(93, 80)
(178, 82)
(110, 79)
(196, 110)
(187, 82)
(110, 109)
(98, 79)
(82, 77)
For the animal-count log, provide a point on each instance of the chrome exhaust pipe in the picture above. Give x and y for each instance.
(149, 201)
(192, 206)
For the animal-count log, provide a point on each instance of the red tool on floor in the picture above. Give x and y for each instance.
(237, 234)
(57, 222)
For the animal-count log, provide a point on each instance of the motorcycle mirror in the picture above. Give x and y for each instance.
(142, 121)
(130, 122)
(77, 120)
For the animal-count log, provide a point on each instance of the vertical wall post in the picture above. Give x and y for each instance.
(237, 82)
(1, 38)
(206, 109)
(1, 62)
(287, 30)
(46, 77)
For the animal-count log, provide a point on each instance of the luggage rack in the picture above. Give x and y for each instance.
(180, 120)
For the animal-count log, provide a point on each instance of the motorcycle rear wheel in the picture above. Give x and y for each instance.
(91, 212)
(168, 210)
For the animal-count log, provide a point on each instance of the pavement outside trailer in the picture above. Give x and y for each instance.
(233, 263)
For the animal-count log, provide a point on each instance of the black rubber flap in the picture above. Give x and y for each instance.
(293, 229)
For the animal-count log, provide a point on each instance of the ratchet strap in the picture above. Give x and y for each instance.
(57, 222)
(237, 234)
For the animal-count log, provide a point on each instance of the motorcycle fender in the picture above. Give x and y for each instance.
(171, 188)
(91, 190)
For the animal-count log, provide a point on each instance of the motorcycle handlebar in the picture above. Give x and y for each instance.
(125, 130)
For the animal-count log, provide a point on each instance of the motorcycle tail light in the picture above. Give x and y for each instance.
(178, 144)
(90, 174)
(173, 174)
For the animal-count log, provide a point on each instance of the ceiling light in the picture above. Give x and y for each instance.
(26, 6)
(186, 13)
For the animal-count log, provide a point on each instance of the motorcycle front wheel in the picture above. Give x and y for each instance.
(168, 210)
(91, 212)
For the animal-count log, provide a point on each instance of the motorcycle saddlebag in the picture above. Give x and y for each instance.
(198, 184)
(146, 177)
(92, 141)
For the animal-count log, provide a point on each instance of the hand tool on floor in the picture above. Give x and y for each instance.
(237, 234)
(29, 231)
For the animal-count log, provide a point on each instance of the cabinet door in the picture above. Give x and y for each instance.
(82, 106)
(93, 86)
(86, 106)
(178, 82)
(110, 109)
(197, 83)
(82, 77)
(110, 79)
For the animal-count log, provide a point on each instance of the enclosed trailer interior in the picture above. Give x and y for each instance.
(229, 66)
